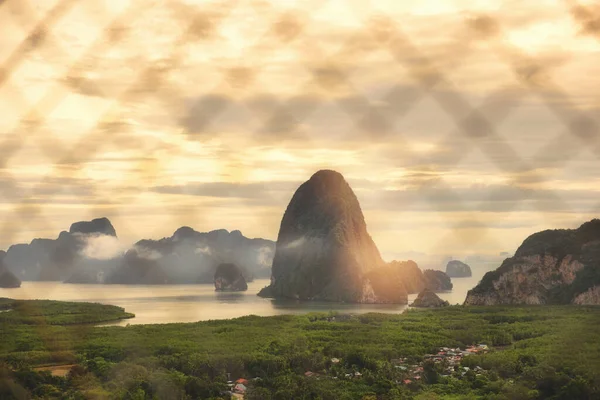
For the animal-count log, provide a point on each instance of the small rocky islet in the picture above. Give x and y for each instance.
(458, 269)
(229, 278)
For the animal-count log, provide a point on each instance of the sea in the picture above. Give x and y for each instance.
(161, 304)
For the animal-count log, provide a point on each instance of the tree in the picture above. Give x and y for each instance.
(258, 393)
(430, 374)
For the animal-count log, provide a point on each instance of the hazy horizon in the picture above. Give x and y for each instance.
(102, 246)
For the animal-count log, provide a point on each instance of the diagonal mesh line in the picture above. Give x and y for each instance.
(286, 36)
(53, 97)
(454, 100)
(474, 125)
(578, 124)
(590, 25)
(80, 151)
(450, 104)
(32, 122)
(192, 214)
(571, 131)
(34, 38)
(84, 140)
(362, 102)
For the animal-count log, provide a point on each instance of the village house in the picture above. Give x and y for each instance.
(240, 388)
(449, 358)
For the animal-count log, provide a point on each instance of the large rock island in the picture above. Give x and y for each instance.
(458, 269)
(324, 251)
(550, 267)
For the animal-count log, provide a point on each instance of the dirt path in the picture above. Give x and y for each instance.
(56, 370)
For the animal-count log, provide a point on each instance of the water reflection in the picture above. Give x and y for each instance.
(230, 297)
(307, 306)
(191, 303)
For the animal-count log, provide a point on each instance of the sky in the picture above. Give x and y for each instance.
(462, 126)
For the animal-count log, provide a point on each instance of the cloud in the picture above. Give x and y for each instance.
(588, 19)
(203, 111)
(258, 190)
(482, 198)
(422, 191)
(265, 256)
(203, 250)
(148, 254)
(295, 243)
(101, 247)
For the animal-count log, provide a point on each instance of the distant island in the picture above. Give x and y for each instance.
(186, 257)
(458, 269)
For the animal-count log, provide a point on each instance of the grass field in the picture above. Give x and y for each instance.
(550, 352)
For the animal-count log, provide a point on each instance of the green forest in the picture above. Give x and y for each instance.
(533, 352)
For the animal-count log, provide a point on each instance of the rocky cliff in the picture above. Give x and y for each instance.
(229, 277)
(550, 267)
(458, 269)
(324, 251)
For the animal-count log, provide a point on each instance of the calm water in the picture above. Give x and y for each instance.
(191, 303)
